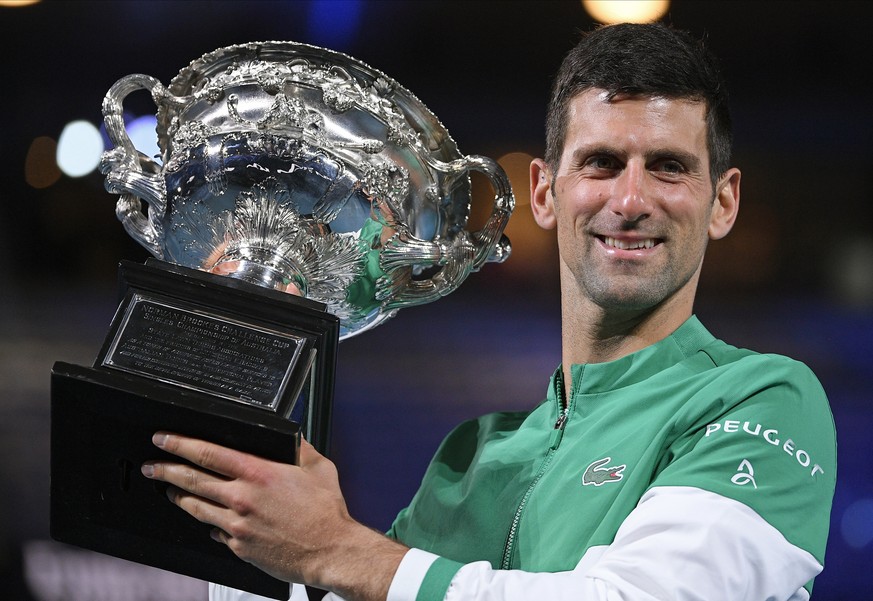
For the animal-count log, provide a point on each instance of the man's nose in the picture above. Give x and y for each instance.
(630, 197)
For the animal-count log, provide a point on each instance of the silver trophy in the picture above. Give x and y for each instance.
(302, 169)
(332, 198)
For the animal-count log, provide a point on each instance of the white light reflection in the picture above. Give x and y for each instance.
(79, 148)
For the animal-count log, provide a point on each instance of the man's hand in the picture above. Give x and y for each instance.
(290, 521)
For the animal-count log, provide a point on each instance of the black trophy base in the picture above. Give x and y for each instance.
(102, 424)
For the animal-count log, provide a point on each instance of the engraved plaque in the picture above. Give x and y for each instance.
(197, 350)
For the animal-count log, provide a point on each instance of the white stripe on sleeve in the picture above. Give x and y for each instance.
(680, 543)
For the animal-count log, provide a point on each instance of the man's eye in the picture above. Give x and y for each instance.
(671, 167)
(602, 162)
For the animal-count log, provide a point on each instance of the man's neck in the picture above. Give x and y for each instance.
(591, 334)
(614, 337)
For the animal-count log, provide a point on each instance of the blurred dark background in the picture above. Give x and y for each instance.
(794, 277)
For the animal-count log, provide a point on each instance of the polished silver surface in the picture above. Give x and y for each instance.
(302, 169)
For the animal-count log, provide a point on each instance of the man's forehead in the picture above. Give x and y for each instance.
(607, 97)
(598, 108)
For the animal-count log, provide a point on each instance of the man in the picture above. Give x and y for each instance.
(664, 463)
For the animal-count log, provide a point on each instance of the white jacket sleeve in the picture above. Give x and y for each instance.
(680, 543)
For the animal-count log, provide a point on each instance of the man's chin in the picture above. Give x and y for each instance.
(631, 297)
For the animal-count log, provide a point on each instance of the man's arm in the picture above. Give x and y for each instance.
(290, 521)
(680, 543)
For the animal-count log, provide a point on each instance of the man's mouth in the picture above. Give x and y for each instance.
(629, 244)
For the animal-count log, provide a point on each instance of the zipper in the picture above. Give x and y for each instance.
(558, 431)
(554, 442)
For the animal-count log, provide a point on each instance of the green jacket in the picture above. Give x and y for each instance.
(537, 491)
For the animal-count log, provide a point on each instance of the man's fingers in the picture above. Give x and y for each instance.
(200, 508)
(214, 472)
(196, 492)
(185, 478)
(220, 536)
(212, 457)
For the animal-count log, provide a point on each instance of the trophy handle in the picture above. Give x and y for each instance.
(130, 173)
(490, 243)
(458, 258)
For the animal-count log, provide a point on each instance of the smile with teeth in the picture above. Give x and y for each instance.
(629, 244)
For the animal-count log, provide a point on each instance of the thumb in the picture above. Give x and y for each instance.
(310, 458)
(307, 452)
(316, 464)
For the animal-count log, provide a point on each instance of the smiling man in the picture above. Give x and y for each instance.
(663, 463)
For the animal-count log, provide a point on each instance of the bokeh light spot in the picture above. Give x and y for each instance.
(857, 524)
(626, 11)
(142, 132)
(533, 248)
(40, 169)
(79, 148)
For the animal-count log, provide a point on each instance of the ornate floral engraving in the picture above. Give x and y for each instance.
(266, 227)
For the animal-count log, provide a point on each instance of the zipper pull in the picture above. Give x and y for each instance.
(558, 431)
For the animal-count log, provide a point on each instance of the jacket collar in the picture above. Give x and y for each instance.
(590, 378)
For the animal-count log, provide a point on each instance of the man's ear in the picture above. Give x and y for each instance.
(542, 200)
(726, 206)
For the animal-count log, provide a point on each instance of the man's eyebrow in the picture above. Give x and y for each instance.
(582, 152)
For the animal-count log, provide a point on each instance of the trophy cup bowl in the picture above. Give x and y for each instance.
(302, 169)
(332, 198)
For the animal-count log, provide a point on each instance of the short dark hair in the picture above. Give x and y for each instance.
(643, 60)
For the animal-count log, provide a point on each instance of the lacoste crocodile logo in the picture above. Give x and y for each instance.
(598, 475)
